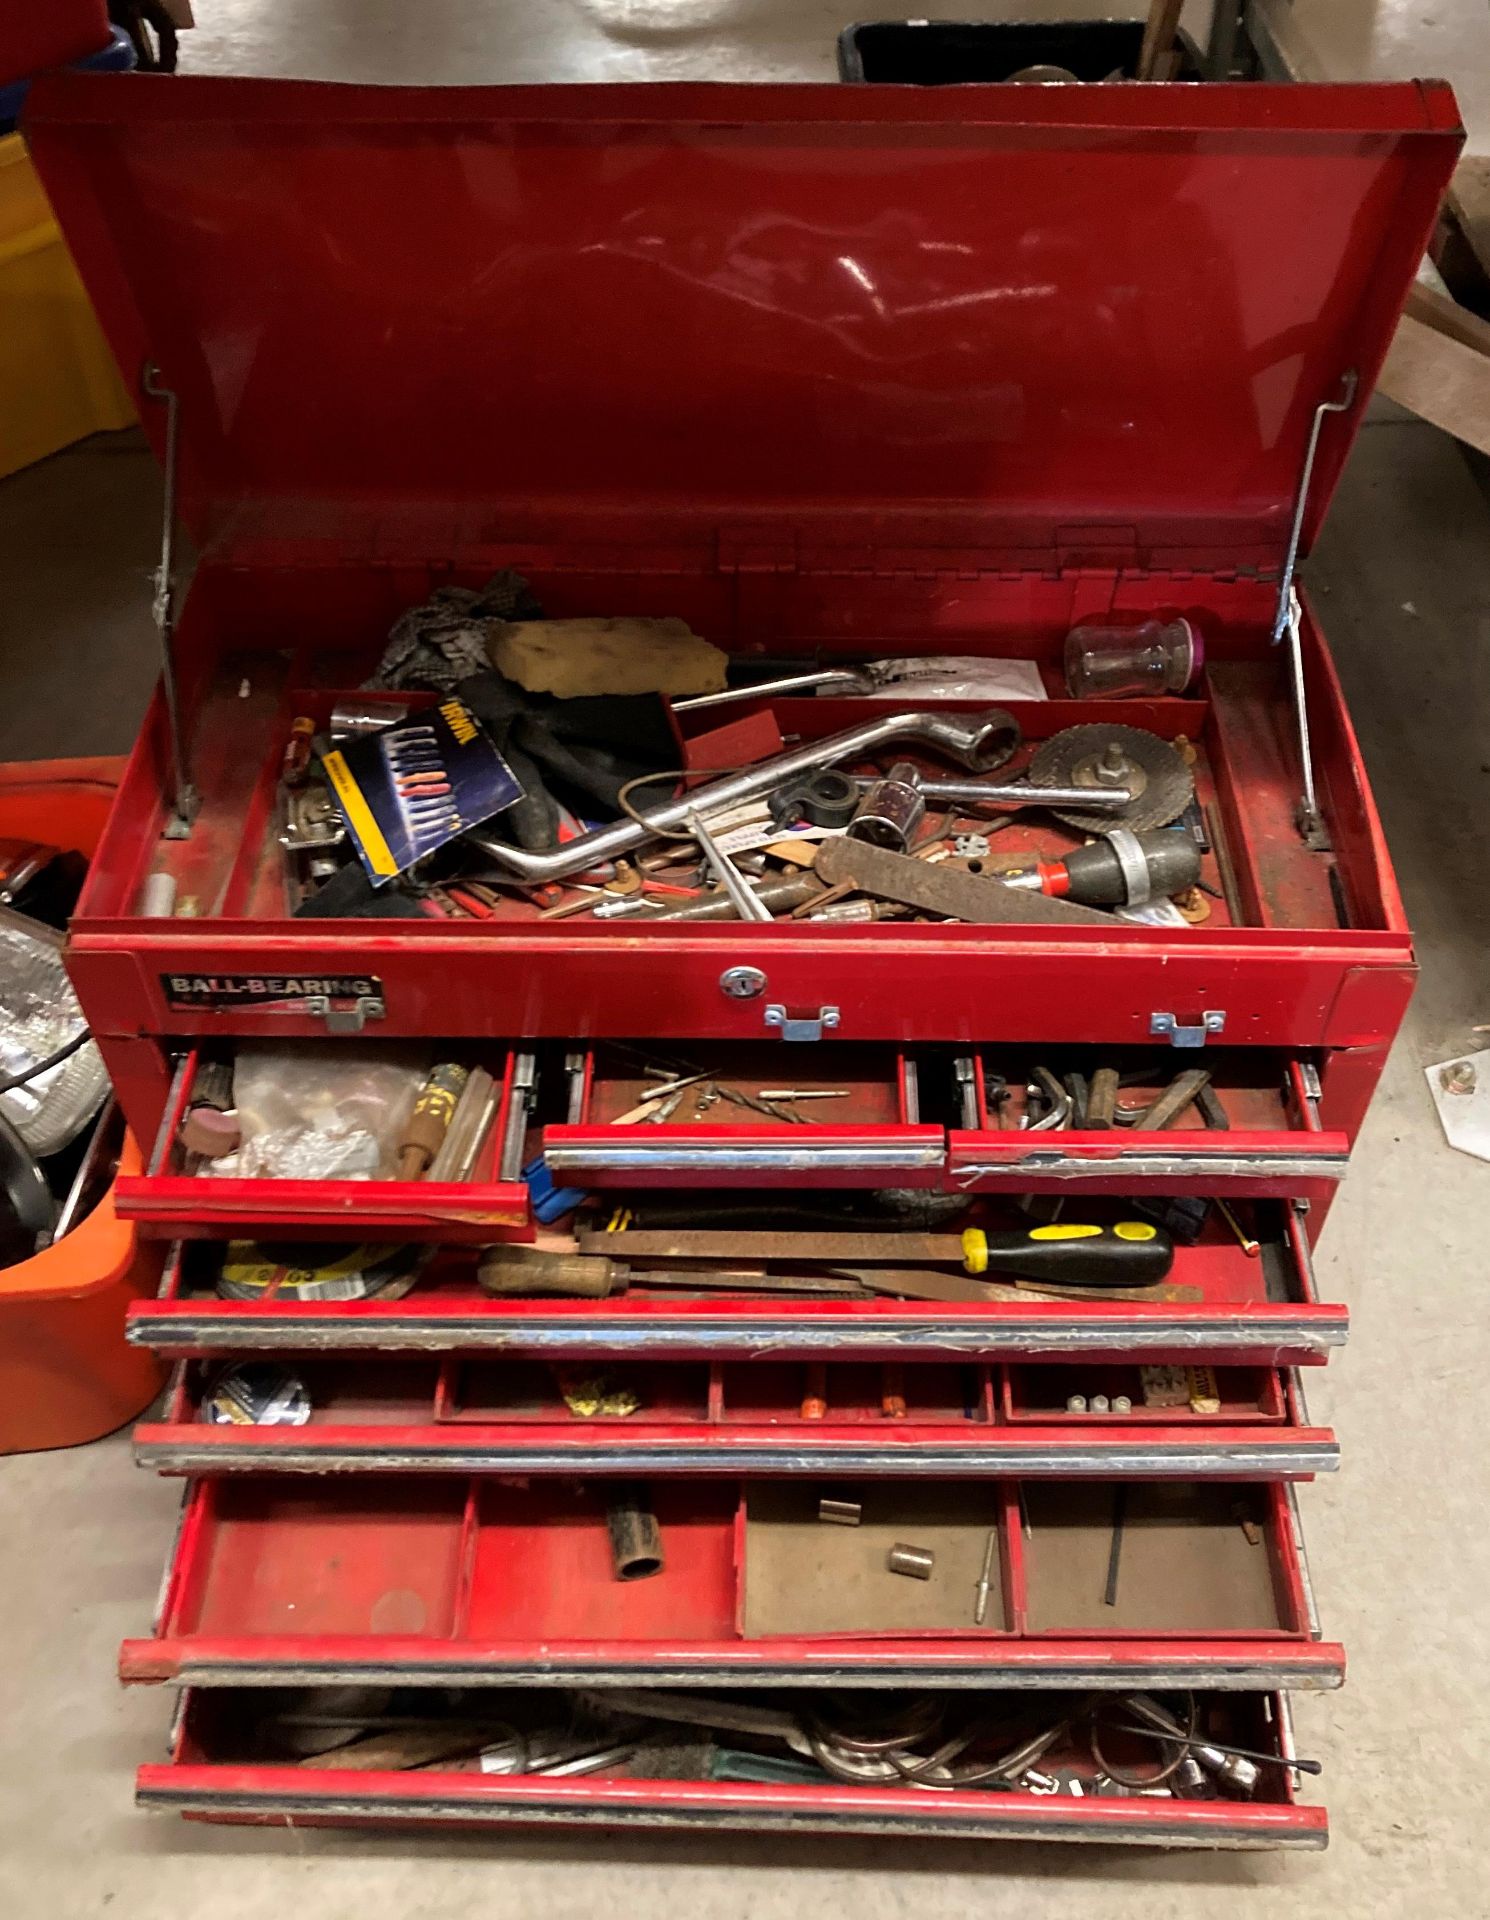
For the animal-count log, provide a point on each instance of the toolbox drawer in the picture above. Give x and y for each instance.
(1297, 959)
(1258, 1131)
(856, 1124)
(169, 1199)
(514, 1415)
(1221, 1305)
(238, 1756)
(458, 1581)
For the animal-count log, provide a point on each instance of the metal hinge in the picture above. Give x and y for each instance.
(801, 1026)
(185, 800)
(1166, 1026)
(345, 1016)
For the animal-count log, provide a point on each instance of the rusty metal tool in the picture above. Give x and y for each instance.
(1174, 1102)
(947, 890)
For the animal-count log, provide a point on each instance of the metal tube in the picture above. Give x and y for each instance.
(840, 679)
(1020, 793)
(978, 742)
(747, 904)
(184, 799)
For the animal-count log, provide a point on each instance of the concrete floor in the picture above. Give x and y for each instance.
(1398, 1540)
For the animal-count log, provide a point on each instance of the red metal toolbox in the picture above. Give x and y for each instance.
(806, 371)
(824, 373)
(224, 1766)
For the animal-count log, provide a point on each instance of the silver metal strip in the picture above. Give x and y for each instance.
(1306, 1579)
(520, 1095)
(1227, 1673)
(165, 1133)
(1049, 1818)
(284, 1330)
(1161, 1166)
(1127, 1458)
(796, 1156)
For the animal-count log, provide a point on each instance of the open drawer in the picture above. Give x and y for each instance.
(179, 1194)
(472, 1414)
(462, 1581)
(747, 1116)
(1254, 1130)
(563, 1758)
(1219, 1304)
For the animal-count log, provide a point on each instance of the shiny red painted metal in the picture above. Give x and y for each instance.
(1048, 326)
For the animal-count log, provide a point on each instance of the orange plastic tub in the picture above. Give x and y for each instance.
(66, 1375)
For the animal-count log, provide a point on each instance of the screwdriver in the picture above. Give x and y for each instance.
(1132, 1253)
(1149, 866)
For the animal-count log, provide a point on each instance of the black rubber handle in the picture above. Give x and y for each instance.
(1134, 1253)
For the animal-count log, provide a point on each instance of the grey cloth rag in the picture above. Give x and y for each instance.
(443, 641)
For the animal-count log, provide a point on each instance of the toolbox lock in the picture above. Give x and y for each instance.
(345, 1016)
(1165, 1026)
(805, 1026)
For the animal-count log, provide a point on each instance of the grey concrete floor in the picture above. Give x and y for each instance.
(1398, 1540)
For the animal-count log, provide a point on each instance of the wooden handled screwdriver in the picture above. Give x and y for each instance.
(521, 1271)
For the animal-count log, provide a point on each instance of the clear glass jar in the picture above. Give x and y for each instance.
(1124, 663)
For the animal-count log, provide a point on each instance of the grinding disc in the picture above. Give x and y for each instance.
(1101, 756)
(251, 1271)
(256, 1394)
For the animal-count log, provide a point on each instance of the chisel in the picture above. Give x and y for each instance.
(1132, 1253)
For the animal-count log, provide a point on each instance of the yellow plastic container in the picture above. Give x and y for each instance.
(58, 381)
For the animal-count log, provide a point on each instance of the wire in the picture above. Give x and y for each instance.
(1182, 1742)
(14, 1080)
(623, 797)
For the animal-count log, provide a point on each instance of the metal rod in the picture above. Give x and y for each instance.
(842, 679)
(1309, 821)
(1288, 613)
(747, 904)
(1021, 793)
(979, 743)
(184, 797)
(88, 1166)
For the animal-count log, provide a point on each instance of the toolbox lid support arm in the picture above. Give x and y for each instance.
(1288, 614)
(185, 799)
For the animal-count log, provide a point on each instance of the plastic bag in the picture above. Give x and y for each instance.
(313, 1112)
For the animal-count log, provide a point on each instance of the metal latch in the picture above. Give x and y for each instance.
(1166, 1026)
(801, 1026)
(345, 1016)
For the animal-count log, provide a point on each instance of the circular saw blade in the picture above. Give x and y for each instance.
(1096, 756)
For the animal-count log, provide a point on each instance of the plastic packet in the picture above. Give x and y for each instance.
(313, 1112)
(951, 676)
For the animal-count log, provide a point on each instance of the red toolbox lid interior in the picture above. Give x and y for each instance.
(1030, 325)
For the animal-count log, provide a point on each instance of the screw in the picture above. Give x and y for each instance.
(1458, 1077)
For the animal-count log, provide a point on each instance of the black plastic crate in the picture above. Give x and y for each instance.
(939, 53)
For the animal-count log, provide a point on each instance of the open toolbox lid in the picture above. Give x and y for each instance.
(1027, 326)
